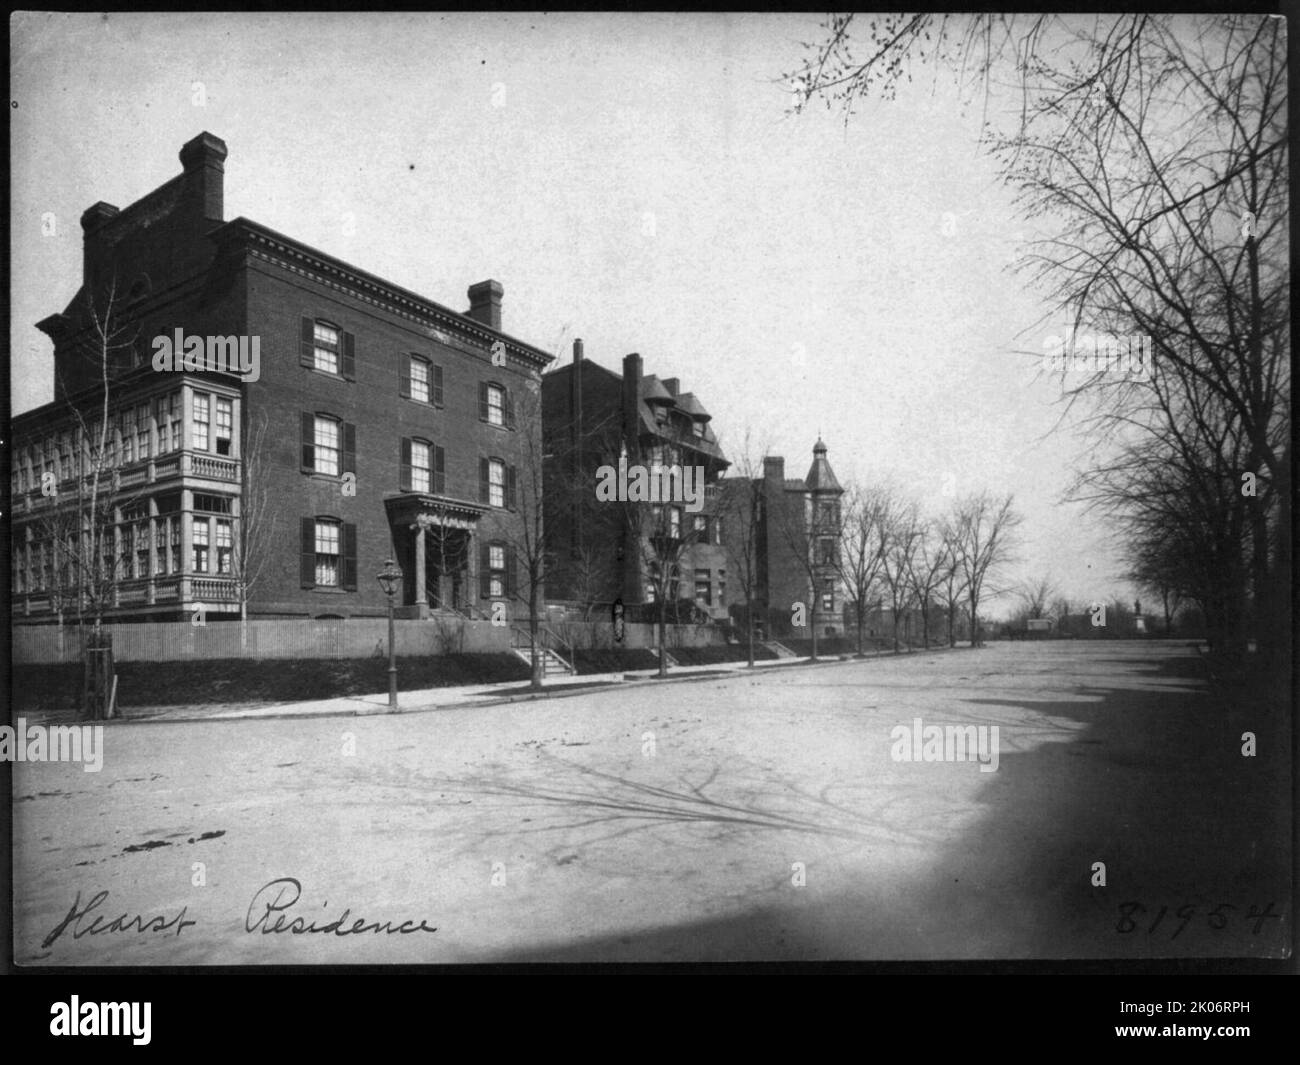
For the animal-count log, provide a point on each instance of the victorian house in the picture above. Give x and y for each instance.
(636, 551)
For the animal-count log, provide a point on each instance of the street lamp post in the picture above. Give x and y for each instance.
(388, 578)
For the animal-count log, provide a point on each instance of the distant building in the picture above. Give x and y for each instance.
(796, 520)
(594, 418)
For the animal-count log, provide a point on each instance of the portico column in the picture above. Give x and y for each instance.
(471, 572)
(420, 597)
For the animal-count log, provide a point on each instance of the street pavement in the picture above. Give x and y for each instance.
(742, 815)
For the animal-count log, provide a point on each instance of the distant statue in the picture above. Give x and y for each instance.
(1137, 606)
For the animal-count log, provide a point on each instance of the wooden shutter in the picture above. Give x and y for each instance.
(482, 401)
(349, 448)
(510, 572)
(437, 386)
(308, 441)
(307, 568)
(484, 482)
(307, 347)
(510, 487)
(404, 376)
(510, 409)
(349, 357)
(349, 556)
(484, 573)
(404, 474)
(439, 471)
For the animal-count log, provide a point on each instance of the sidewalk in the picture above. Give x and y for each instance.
(441, 698)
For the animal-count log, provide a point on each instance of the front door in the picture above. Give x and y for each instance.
(446, 560)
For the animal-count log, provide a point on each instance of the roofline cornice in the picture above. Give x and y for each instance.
(297, 257)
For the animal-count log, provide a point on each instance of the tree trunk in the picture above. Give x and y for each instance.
(663, 638)
(749, 616)
(535, 681)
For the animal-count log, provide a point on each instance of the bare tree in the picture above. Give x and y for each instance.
(526, 531)
(1158, 146)
(927, 572)
(81, 488)
(866, 527)
(982, 528)
(742, 506)
(902, 539)
(257, 522)
(1034, 595)
(952, 586)
(662, 538)
(794, 524)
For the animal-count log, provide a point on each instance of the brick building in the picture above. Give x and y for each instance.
(793, 520)
(593, 418)
(379, 423)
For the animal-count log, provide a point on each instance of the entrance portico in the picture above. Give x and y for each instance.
(433, 540)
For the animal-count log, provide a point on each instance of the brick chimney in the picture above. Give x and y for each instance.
(632, 406)
(485, 303)
(575, 410)
(94, 219)
(774, 468)
(672, 384)
(204, 162)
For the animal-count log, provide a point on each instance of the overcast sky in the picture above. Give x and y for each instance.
(633, 180)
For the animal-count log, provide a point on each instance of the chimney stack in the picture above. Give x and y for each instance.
(485, 303)
(204, 162)
(774, 468)
(577, 350)
(92, 220)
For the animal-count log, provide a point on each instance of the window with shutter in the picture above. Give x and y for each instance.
(307, 574)
(308, 441)
(439, 471)
(482, 401)
(404, 471)
(349, 448)
(307, 343)
(496, 405)
(484, 484)
(437, 386)
(349, 357)
(349, 556)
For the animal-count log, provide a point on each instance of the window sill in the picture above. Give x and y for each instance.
(424, 403)
(331, 374)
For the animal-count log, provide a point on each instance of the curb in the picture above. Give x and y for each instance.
(630, 680)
